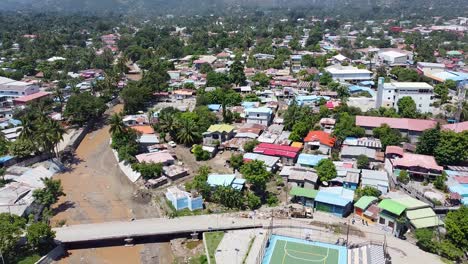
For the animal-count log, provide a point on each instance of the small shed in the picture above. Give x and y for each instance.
(363, 203)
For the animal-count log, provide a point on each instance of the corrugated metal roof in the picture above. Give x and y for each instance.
(420, 213)
(364, 202)
(331, 198)
(392, 206)
(303, 192)
(426, 222)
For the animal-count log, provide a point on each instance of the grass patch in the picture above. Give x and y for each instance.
(29, 259)
(248, 250)
(212, 241)
(184, 212)
(199, 260)
(193, 244)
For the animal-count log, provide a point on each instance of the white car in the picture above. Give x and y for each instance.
(172, 144)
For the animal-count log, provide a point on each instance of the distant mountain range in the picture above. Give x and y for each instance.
(205, 6)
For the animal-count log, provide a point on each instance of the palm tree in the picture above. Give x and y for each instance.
(58, 93)
(187, 133)
(55, 134)
(167, 123)
(116, 124)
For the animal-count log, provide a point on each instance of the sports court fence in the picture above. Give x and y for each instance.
(344, 235)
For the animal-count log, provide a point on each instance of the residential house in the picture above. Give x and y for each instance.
(418, 213)
(393, 58)
(388, 94)
(28, 99)
(309, 160)
(390, 212)
(270, 161)
(181, 199)
(375, 179)
(162, 157)
(175, 172)
(147, 140)
(183, 93)
(225, 180)
(11, 89)
(348, 73)
(136, 120)
(145, 129)
(260, 115)
(348, 177)
(327, 124)
(304, 196)
(299, 176)
(411, 128)
(287, 154)
(319, 140)
(418, 166)
(366, 208)
(218, 134)
(272, 134)
(296, 63)
(353, 152)
(335, 200)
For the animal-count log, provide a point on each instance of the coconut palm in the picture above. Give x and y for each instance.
(167, 123)
(55, 134)
(116, 124)
(187, 133)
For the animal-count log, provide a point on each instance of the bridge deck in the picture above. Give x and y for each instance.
(148, 227)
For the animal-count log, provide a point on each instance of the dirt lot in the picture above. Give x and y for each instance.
(97, 191)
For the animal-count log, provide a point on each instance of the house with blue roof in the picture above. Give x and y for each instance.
(309, 160)
(310, 99)
(335, 200)
(226, 180)
(214, 107)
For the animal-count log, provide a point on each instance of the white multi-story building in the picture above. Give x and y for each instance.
(260, 115)
(388, 94)
(11, 89)
(348, 73)
(393, 58)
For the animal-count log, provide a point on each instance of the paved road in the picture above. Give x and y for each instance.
(155, 226)
(401, 251)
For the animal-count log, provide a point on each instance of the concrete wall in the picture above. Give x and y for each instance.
(53, 255)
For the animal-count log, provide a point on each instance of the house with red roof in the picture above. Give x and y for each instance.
(418, 166)
(319, 140)
(411, 128)
(287, 154)
(27, 99)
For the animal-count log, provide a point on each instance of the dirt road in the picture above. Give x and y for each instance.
(97, 191)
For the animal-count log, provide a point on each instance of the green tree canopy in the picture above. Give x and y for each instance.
(452, 148)
(50, 194)
(407, 107)
(326, 170)
(387, 136)
(362, 162)
(456, 224)
(83, 107)
(255, 173)
(428, 141)
(38, 233)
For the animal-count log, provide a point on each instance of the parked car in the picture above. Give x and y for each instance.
(172, 144)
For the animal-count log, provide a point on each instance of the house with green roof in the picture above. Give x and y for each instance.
(218, 134)
(390, 214)
(365, 207)
(417, 213)
(304, 196)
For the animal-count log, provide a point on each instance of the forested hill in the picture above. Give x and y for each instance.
(362, 8)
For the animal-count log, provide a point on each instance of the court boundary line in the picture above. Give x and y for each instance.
(286, 252)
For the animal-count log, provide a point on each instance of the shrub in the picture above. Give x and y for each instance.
(403, 177)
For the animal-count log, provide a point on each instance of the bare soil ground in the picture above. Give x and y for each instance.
(97, 191)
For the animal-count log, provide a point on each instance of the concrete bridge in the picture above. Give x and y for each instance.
(126, 230)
